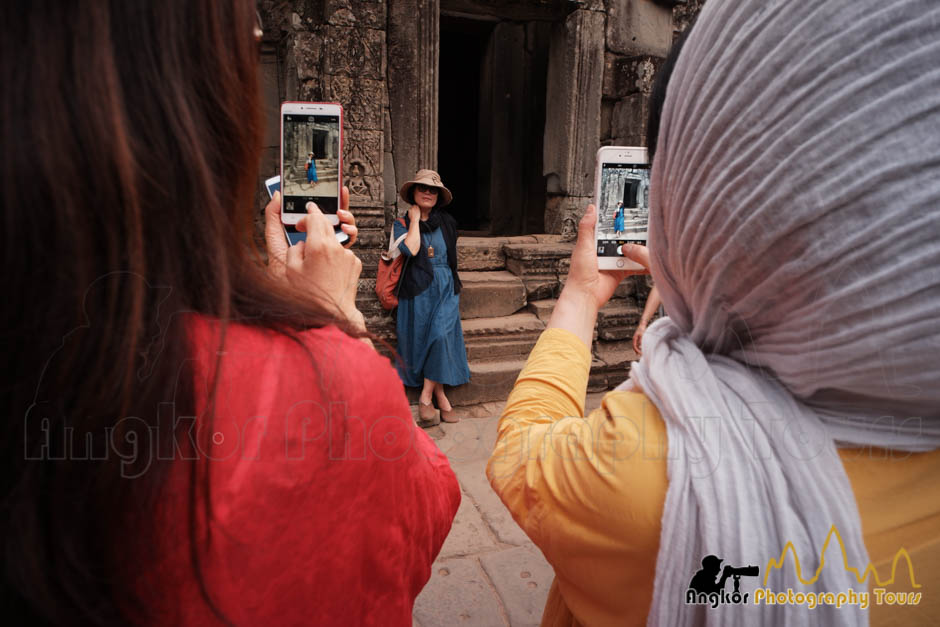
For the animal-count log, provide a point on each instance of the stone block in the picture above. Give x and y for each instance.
(617, 320)
(542, 308)
(628, 120)
(497, 338)
(616, 355)
(536, 260)
(481, 253)
(306, 50)
(540, 288)
(636, 27)
(490, 294)
(489, 381)
(522, 577)
(624, 76)
(597, 378)
(458, 594)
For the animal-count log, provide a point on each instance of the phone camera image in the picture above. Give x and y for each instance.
(311, 162)
(623, 207)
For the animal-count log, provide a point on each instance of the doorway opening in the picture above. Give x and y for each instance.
(491, 121)
(462, 47)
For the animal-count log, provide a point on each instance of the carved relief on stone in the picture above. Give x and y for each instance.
(362, 152)
(362, 99)
(358, 186)
(356, 51)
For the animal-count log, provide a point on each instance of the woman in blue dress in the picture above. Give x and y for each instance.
(311, 169)
(619, 219)
(430, 338)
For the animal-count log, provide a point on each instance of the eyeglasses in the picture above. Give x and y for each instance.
(427, 189)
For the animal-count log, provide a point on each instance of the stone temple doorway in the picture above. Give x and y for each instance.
(491, 119)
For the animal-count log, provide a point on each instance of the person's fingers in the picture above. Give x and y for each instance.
(638, 253)
(274, 230)
(586, 229)
(344, 199)
(347, 223)
(315, 223)
(636, 342)
(295, 256)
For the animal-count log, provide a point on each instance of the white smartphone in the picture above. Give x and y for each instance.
(311, 159)
(293, 236)
(621, 195)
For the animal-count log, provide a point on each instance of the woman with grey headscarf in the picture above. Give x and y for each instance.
(773, 458)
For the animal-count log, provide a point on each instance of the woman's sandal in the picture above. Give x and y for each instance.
(426, 411)
(449, 415)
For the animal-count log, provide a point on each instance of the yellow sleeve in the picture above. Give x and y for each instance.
(588, 491)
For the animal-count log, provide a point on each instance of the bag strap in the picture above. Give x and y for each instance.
(393, 245)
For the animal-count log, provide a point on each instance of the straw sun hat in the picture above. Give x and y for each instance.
(429, 178)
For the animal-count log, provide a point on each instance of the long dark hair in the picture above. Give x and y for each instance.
(129, 156)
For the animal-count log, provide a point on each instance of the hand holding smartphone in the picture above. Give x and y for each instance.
(311, 162)
(622, 181)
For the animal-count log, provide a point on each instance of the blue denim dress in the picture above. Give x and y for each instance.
(430, 338)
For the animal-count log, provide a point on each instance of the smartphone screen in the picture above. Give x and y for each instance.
(623, 206)
(311, 145)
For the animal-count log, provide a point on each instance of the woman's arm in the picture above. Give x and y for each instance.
(413, 239)
(649, 310)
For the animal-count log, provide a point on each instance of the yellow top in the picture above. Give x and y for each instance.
(590, 491)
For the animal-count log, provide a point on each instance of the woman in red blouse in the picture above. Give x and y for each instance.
(192, 436)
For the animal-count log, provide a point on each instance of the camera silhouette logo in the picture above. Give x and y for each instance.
(707, 586)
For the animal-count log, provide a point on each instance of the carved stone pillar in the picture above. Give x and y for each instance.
(573, 117)
(413, 53)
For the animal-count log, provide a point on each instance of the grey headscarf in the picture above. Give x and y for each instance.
(795, 239)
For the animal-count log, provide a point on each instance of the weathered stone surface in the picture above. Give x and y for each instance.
(370, 13)
(616, 355)
(597, 378)
(617, 320)
(540, 288)
(536, 260)
(364, 148)
(370, 262)
(489, 381)
(628, 120)
(474, 482)
(469, 533)
(624, 76)
(363, 100)
(368, 217)
(562, 215)
(542, 308)
(573, 108)
(639, 27)
(502, 337)
(490, 294)
(523, 578)
(458, 593)
(481, 253)
(470, 440)
(413, 53)
(358, 52)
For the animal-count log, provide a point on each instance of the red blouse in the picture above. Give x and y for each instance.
(328, 503)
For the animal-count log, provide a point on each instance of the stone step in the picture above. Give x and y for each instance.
(497, 338)
(489, 381)
(490, 294)
(486, 253)
(539, 259)
(617, 320)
